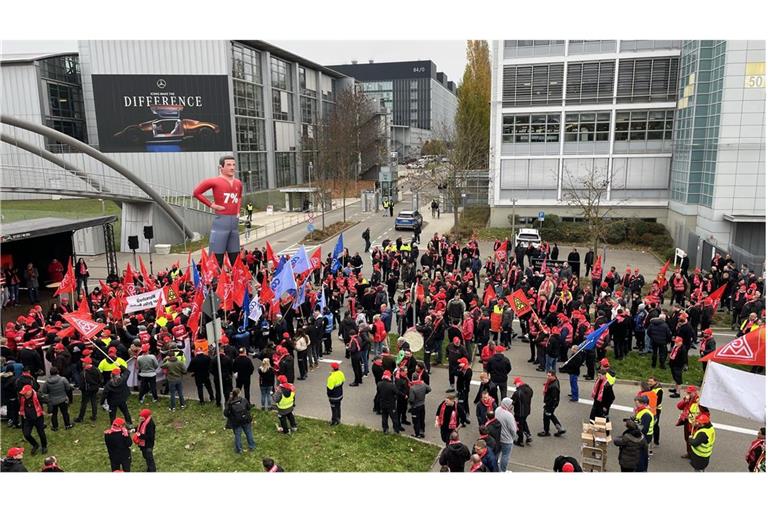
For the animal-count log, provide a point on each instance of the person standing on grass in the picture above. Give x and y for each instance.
(145, 438)
(239, 419)
(176, 371)
(200, 367)
(335, 391)
(118, 443)
(266, 383)
(57, 388)
(243, 367)
(116, 394)
(284, 398)
(89, 389)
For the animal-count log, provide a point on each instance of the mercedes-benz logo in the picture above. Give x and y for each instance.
(161, 84)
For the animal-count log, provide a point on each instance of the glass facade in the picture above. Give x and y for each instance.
(285, 168)
(531, 128)
(532, 85)
(250, 135)
(64, 110)
(381, 92)
(282, 89)
(697, 121)
(647, 80)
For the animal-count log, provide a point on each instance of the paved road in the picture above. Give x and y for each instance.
(732, 440)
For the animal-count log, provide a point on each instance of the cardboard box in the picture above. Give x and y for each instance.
(587, 439)
(588, 452)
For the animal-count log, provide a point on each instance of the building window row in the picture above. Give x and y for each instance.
(644, 125)
(531, 128)
(280, 72)
(530, 43)
(62, 69)
(285, 168)
(647, 80)
(246, 64)
(249, 134)
(282, 102)
(590, 82)
(248, 99)
(308, 110)
(252, 170)
(533, 85)
(587, 126)
(65, 101)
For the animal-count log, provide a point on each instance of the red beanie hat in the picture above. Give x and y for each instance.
(112, 350)
(552, 308)
(518, 381)
(119, 422)
(690, 389)
(145, 347)
(386, 375)
(605, 362)
(456, 340)
(27, 389)
(145, 413)
(59, 346)
(116, 371)
(13, 452)
(568, 467)
(335, 366)
(87, 360)
(282, 379)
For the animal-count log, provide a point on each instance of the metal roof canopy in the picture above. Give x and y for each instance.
(744, 218)
(35, 228)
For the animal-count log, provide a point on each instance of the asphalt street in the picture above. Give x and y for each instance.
(733, 434)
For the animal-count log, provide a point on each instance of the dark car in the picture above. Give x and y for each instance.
(169, 127)
(408, 220)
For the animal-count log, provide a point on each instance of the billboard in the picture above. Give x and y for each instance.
(149, 113)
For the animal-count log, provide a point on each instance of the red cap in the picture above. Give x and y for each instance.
(605, 362)
(9, 325)
(59, 346)
(16, 450)
(568, 467)
(112, 350)
(224, 340)
(683, 315)
(690, 389)
(21, 319)
(26, 389)
(707, 332)
(119, 422)
(386, 375)
(145, 347)
(518, 381)
(463, 361)
(282, 379)
(499, 349)
(702, 418)
(144, 336)
(335, 366)
(603, 285)
(87, 360)
(106, 332)
(678, 339)
(552, 308)
(286, 335)
(116, 371)
(140, 318)
(145, 413)
(456, 339)
(87, 351)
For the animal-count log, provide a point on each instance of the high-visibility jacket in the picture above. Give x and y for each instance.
(658, 391)
(652, 400)
(496, 316)
(597, 272)
(705, 449)
(105, 366)
(678, 283)
(643, 412)
(405, 248)
(286, 402)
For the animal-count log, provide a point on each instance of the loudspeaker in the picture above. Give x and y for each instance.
(149, 233)
(133, 242)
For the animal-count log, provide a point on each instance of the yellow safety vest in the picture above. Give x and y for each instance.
(639, 416)
(658, 390)
(286, 402)
(705, 449)
(106, 366)
(497, 310)
(162, 321)
(405, 247)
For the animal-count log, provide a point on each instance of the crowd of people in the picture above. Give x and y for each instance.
(444, 297)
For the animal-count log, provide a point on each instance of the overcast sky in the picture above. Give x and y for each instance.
(449, 55)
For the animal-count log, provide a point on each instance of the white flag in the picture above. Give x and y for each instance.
(255, 307)
(144, 301)
(734, 391)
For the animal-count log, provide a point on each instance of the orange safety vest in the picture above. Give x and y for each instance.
(678, 284)
(653, 400)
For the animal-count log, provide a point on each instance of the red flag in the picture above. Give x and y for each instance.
(271, 255)
(211, 268)
(519, 302)
(224, 290)
(128, 285)
(197, 309)
(87, 328)
(266, 294)
(543, 269)
(664, 269)
(83, 308)
(715, 295)
(241, 277)
(160, 306)
(149, 283)
(420, 292)
(316, 259)
(598, 263)
(489, 294)
(501, 252)
(748, 350)
(69, 283)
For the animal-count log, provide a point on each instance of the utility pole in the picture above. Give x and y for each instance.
(514, 204)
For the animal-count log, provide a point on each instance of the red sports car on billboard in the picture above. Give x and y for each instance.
(168, 127)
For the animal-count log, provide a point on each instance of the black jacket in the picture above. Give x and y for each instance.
(117, 392)
(521, 400)
(552, 396)
(573, 366)
(286, 368)
(243, 366)
(454, 455)
(11, 465)
(91, 380)
(499, 367)
(200, 366)
(387, 394)
(658, 331)
(118, 446)
(631, 445)
(149, 435)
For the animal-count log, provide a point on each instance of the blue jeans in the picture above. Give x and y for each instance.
(506, 452)
(266, 396)
(175, 387)
(574, 379)
(550, 364)
(647, 345)
(378, 348)
(34, 295)
(248, 429)
(365, 360)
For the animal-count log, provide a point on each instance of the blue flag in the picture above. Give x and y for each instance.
(301, 296)
(254, 309)
(591, 340)
(280, 263)
(300, 261)
(246, 308)
(337, 251)
(283, 281)
(195, 274)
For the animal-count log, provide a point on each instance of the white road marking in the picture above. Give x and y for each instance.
(337, 361)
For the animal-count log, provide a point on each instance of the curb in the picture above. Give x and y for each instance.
(320, 242)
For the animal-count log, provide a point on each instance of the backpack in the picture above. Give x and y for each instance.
(240, 412)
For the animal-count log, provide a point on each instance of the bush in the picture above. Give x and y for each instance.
(616, 232)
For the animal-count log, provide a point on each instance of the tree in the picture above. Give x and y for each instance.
(473, 114)
(587, 191)
(348, 141)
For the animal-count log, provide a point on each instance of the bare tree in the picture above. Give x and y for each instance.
(587, 192)
(347, 143)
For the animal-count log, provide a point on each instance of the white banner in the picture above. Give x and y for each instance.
(144, 301)
(734, 391)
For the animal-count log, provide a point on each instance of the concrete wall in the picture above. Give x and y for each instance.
(137, 215)
(500, 214)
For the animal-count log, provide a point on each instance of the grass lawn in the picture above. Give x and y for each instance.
(194, 440)
(67, 208)
(638, 367)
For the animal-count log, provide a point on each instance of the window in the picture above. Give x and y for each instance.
(285, 169)
(590, 82)
(246, 64)
(62, 69)
(308, 110)
(587, 126)
(531, 128)
(583, 46)
(282, 105)
(252, 170)
(248, 99)
(646, 80)
(65, 101)
(249, 134)
(532, 85)
(281, 74)
(72, 127)
(414, 84)
(644, 125)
